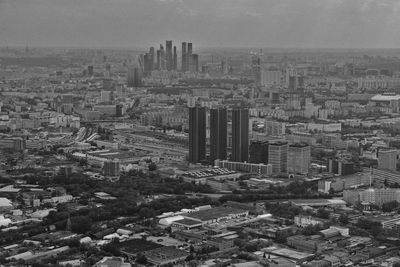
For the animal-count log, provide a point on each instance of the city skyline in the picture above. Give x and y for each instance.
(266, 24)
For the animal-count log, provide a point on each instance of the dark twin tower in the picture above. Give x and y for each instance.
(218, 134)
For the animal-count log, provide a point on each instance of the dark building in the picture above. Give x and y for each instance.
(197, 134)
(90, 70)
(158, 62)
(119, 110)
(240, 135)
(259, 152)
(175, 59)
(341, 166)
(162, 58)
(292, 83)
(218, 134)
(168, 55)
(189, 56)
(146, 64)
(183, 67)
(152, 57)
(194, 63)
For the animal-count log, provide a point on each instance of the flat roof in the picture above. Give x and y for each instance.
(214, 213)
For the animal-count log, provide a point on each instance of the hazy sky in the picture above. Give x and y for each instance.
(207, 23)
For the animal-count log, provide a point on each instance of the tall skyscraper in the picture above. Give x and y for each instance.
(158, 62)
(194, 63)
(218, 134)
(175, 59)
(162, 57)
(152, 58)
(240, 134)
(278, 156)
(189, 56)
(168, 55)
(259, 152)
(90, 70)
(387, 159)
(197, 134)
(183, 67)
(134, 78)
(299, 157)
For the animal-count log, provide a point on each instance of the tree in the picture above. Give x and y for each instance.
(152, 166)
(343, 218)
(81, 224)
(141, 259)
(323, 213)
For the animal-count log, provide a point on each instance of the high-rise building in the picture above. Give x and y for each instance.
(278, 156)
(152, 58)
(146, 64)
(240, 135)
(158, 62)
(218, 134)
(105, 96)
(259, 152)
(90, 70)
(168, 55)
(111, 168)
(194, 63)
(162, 58)
(197, 134)
(341, 166)
(184, 55)
(387, 159)
(175, 59)
(299, 158)
(274, 128)
(271, 77)
(189, 56)
(134, 77)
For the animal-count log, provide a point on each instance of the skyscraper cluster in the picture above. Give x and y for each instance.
(166, 58)
(218, 134)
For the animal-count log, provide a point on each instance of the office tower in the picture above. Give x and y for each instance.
(162, 58)
(168, 55)
(183, 67)
(259, 152)
(292, 83)
(274, 128)
(158, 63)
(299, 158)
(341, 166)
(134, 77)
(146, 64)
(152, 58)
(108, 67)
(119, 110)
(194, 63)
(175, 59)
(271, 77)
(107, 84)
(218, 134)
(277, 156)
(90, 70)
(105, 96)
(111, 168)
(189, 56)
(240, 134)
(197, 134)
(387, 159)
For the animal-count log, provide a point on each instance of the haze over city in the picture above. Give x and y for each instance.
(208, 23)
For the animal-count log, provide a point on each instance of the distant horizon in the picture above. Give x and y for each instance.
(347, 24)
(143, 48)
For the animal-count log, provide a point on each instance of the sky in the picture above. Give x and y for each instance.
(207, 23)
